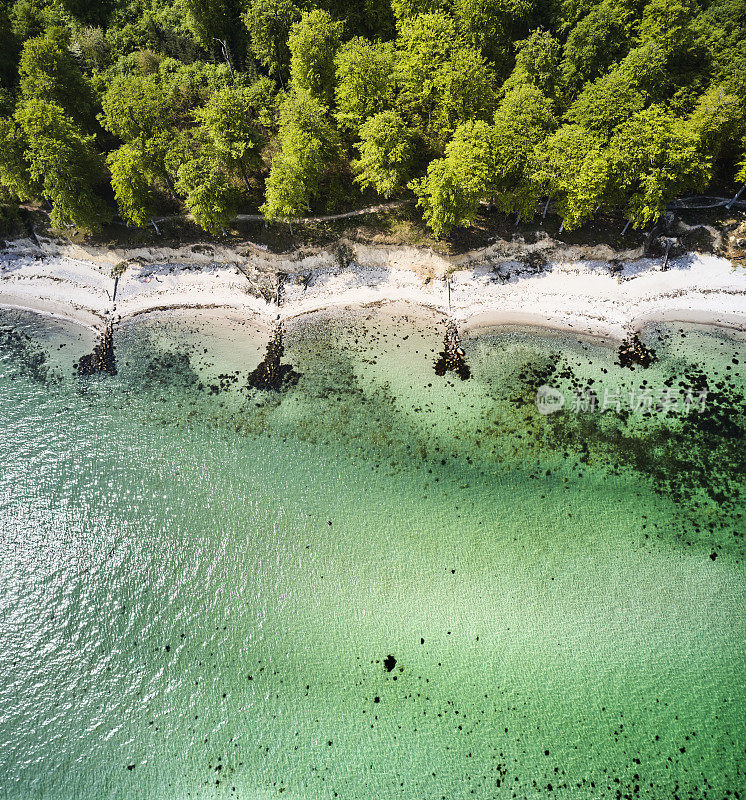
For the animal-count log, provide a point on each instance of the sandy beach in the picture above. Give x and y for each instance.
(584, 296)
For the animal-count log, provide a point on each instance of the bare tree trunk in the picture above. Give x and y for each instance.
(546, 206)
(738, 194)
(224, 48)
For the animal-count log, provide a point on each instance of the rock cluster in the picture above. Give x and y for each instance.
(102, 358)
(452, 356)
(271, 374)
(632, 352)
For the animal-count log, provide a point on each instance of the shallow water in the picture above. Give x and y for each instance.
(201, 586)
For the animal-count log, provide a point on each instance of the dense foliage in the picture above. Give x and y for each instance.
(138, 107)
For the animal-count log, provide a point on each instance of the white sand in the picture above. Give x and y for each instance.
(583, 297)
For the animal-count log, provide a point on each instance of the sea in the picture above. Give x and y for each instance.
(377, 583)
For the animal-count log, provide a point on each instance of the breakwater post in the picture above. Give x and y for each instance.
(281, 276)
(664, 268)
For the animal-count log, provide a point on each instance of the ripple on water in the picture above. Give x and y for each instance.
(378, 583)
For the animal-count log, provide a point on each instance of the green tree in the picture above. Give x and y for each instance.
(313, 43)
(213, 19)
(386, 153)
(189, 86)
(49, 72)
(156, 26)
(136, 109)
(668, 23)
(567, 14)
(131, 185)
(424, 45)
(723, 25)
(294, 176)
(571, 167)
(718, 120)
(405, 9)
(136, 106)
(595, 43)
(15, 170)
(465, 91)
(31, 18)
(673, 26)
(90, 43)
(741, 167)
(263, 98)
(209, 195)
(365, 81)
(63, 163)
(485, 24)
(269, 23)
(231, 123)
(449, 194)
(654, 157)
(537, 63)
(523, 119)
(627, 88)
(308, 144)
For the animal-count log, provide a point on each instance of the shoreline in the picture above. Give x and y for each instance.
(585, 297)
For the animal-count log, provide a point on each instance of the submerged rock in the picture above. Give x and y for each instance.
(633, 352)
(452, 357)
(31, 358)
(271, 374)
(102, 358)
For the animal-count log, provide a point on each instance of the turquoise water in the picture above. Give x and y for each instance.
(199, 584)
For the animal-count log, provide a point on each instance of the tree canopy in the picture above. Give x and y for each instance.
(215, 106)
(386, 149)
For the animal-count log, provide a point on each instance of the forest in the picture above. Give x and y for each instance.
(126, 109)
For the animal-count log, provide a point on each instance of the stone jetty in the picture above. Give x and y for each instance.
(452, 357)
(271, 373)
(102, 358)
(632, 352)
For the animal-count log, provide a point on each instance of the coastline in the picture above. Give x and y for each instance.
(586, 296)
